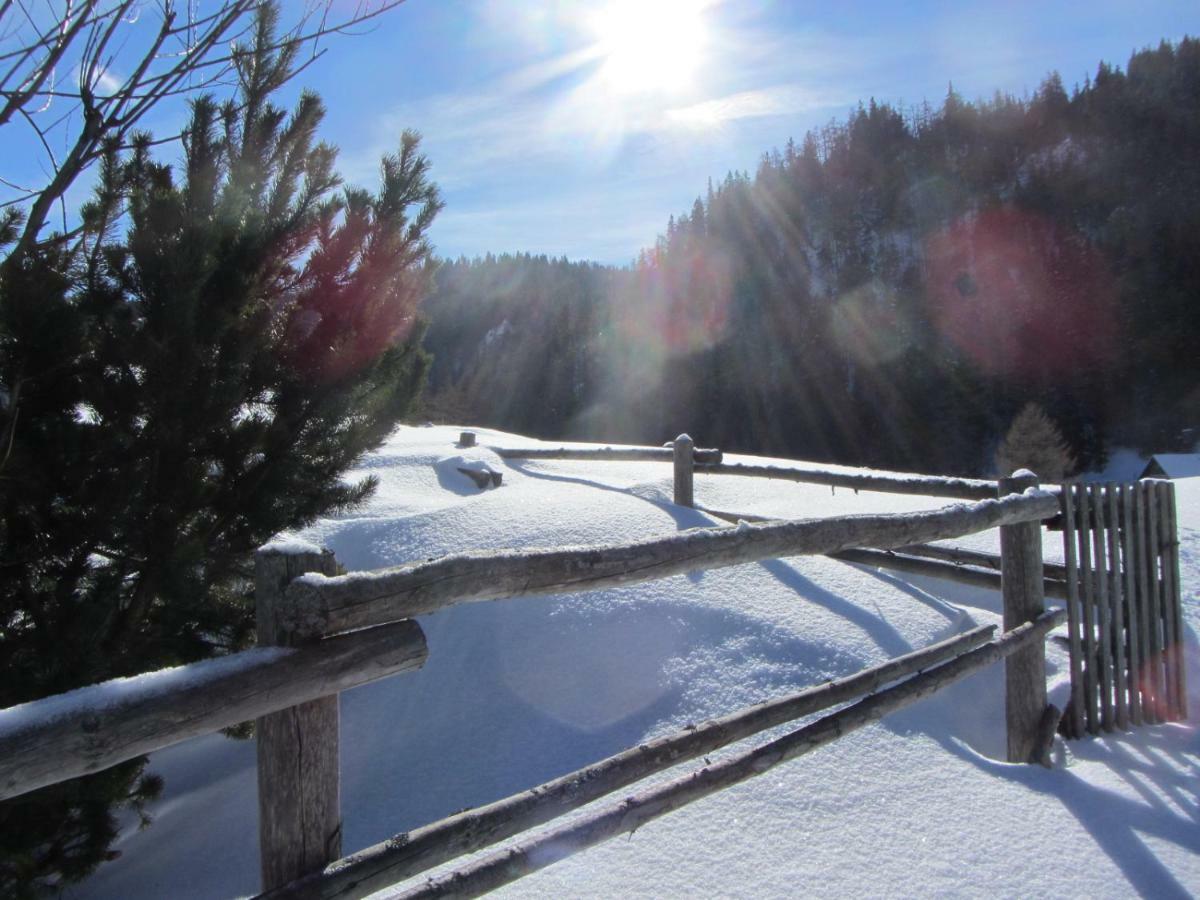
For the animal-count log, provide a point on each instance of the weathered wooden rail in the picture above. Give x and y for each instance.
(74, 734)
(606, 454)
(526, 857)
(411, 853)
(688, 460)
(969, 567)
(321, 604)
(334, 631)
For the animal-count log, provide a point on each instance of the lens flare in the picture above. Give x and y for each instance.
(1021, 295)
(868, 326)
(684, 305)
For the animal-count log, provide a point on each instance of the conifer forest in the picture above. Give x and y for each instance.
(890, 290)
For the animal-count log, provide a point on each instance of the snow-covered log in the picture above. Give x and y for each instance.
(318, 604)
(889, 482)
(62, 737)
(404, 855)
(526, 856)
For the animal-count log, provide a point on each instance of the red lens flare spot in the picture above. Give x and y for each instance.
(1021, 296)
(683, 303)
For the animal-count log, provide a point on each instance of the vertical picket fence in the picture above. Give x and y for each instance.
(1125, 617)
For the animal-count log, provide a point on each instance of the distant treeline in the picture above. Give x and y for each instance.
(889, 292)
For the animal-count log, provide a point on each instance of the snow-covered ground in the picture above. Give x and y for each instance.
(517, 692)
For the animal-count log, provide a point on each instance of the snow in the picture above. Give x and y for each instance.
(520, 691)
(1124, 464)
(289, 545)
(451, 474)
(1178, 465)
(496, 333)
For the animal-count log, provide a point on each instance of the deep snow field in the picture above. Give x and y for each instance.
(519, 691)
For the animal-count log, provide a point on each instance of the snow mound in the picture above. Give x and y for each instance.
(474, 469)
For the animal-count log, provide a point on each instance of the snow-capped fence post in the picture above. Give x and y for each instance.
(684, 470)
(299, 807)
(1022, 589)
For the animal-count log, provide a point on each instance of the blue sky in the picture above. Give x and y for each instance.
(536, 149)
(577, 128)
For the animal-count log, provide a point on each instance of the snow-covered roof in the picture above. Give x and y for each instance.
(1173, 465)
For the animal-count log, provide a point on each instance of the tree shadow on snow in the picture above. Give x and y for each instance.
(929, 591)
(1157, 762)
(879, 629)
(1160, 763)
(685, 517)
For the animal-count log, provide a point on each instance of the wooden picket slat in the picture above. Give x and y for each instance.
(1084, 526)
(1143, 611)
(1172, 569)
(1170, 635)
(1104, 636)
(1074, 622)
(1129, 571)
(1117, 600)
(1154, 603)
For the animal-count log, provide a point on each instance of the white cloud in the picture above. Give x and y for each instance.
(109, 83)
(781, 100)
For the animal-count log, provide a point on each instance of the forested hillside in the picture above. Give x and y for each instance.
(889, 291)
(516, 341)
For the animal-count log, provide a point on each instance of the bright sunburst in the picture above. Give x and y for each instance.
(650, 45)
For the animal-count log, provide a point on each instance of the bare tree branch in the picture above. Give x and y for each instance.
(70, 55)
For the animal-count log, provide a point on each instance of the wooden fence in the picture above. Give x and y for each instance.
(321, 633)
(1126, 619)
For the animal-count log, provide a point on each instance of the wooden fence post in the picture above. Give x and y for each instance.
(299, 807)
(684, 470)
(1024, 600)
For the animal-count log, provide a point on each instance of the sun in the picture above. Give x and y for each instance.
(650, 45)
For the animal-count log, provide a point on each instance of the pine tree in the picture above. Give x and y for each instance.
(174, 396)
(1034, 442)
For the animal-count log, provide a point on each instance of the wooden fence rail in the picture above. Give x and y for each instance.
(411, 853)
(890, 482)
(319, 604)
(504, 866)
(969, 567)
(963, 557)
(605, 454)
(51, 740)
(291, 689)
(960, 574)
(711, 461)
